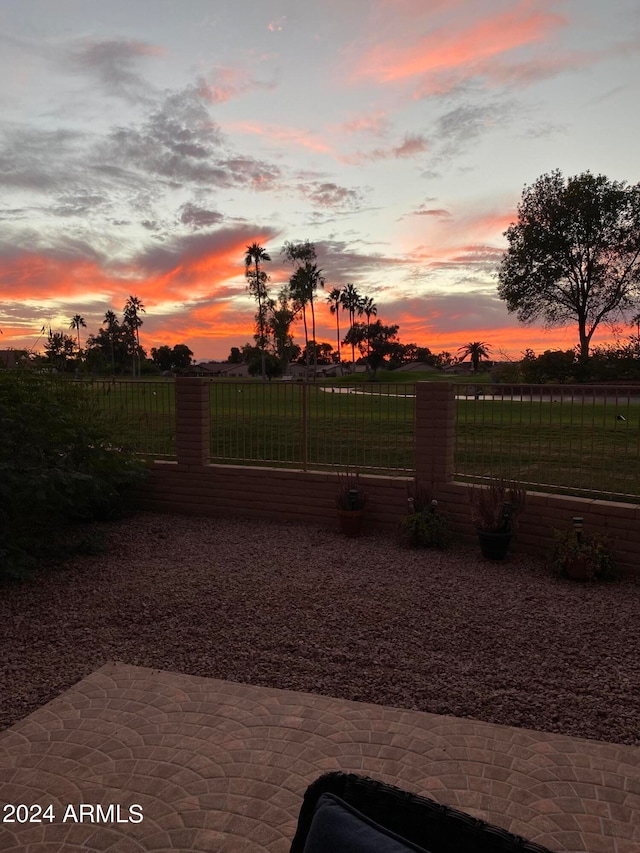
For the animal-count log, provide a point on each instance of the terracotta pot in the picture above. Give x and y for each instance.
(577, 569)
(350, 522)
(494, 546)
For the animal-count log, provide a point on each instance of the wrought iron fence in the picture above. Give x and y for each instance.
(581, 440)
(141, 413)
(312, 426)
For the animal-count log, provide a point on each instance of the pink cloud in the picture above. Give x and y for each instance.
(285, 135)
(375, 123)
(412, 145)
(449, 55)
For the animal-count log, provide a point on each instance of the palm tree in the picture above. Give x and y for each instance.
(257, 284)
(351, 301)
(310, 278)
(301, 289)
(76, 321)
(132, 309)
(111, 322)
(476, 350)
(369, 308)
(333, 298)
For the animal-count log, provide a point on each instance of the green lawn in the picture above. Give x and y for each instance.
(565, 446)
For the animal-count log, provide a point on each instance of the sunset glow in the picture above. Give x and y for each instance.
(144, 150)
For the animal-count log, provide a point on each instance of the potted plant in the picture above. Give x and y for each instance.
(581, 556)
(424, 526)
(350, 501)
(494, 510)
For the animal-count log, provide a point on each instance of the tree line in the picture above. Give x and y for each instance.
(114, 349)
(274, 347)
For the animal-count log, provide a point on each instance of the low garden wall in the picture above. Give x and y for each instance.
(193, 486)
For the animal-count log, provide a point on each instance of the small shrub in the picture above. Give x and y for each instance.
(592, 547)
(426, 529)
(424, 526)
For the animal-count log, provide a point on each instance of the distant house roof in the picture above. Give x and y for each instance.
(222, 368)
(12, 357)
(416, 365)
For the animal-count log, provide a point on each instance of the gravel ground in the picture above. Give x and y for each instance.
(302, 608)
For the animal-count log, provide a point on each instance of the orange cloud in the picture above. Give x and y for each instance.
(36, 289)
(446, 50)
(285, 135)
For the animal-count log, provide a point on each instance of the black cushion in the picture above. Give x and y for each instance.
(336, 827)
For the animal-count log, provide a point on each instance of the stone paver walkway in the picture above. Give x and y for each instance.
(218, 766)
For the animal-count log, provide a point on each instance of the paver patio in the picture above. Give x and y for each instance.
(220, 766)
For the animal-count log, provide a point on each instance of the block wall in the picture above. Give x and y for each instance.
(192, 486)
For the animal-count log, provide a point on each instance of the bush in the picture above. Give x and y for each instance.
(426, 529)
(58, 466)
(424, 526)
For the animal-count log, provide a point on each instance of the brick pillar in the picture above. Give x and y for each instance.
(193, 422)
(435, 432)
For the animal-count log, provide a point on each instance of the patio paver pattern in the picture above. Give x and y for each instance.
(220, 766)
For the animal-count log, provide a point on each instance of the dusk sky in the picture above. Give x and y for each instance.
(146, 143)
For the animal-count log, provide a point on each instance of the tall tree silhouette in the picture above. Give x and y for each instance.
(333, 298)
(351, 301)
(304, 284)
(132, 309)
(257, 285)
(369, 308)
(76, 321)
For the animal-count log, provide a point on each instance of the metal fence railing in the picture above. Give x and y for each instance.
(310, 426)
(141, 412)
(581, 440)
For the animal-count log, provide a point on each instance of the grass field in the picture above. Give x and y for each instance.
(578, 446)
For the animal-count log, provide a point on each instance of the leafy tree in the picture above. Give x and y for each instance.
(76, 321)
(374, 340)
(162, 357)
(551, 366)
(320, 353)
(235, 356)
(280, 319)
(182, 357)
(351, 301)
(132, 322)
(574, 253)
(109, 349)
(257, 360)
(60, 349)
(257, 285)
(476, 350)
(178, 357)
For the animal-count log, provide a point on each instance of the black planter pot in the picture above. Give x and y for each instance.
(494, 546)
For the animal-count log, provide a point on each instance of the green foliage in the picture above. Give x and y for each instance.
(166, 358)
(57, 466)
(424, 526)
(507, 372)
(592, 547)
(426, 529)
(551, 366)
